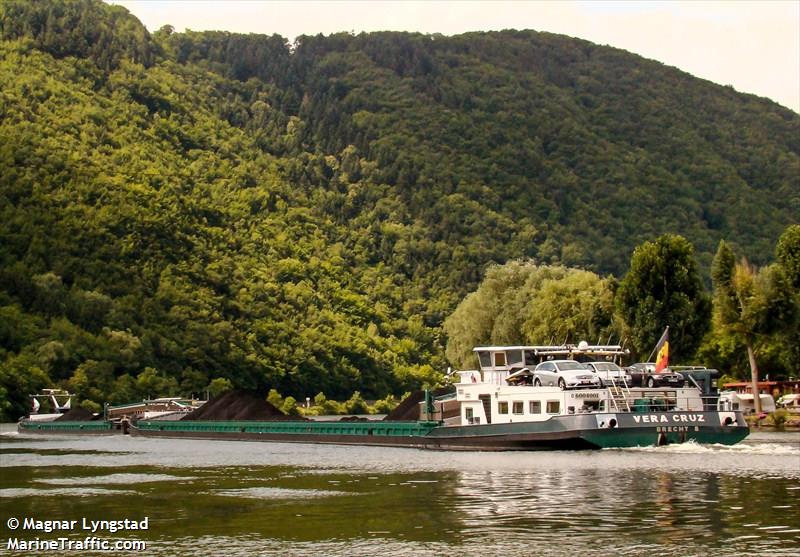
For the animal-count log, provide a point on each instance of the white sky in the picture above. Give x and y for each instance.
(753, 46)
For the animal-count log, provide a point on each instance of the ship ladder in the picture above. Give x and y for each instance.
(619, 397)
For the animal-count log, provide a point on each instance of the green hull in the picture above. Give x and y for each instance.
(66, 427)
(579, 431)
(618, 439)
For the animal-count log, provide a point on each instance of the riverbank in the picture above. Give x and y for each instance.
(778, 420)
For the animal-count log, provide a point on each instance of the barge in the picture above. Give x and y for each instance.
(498, 407)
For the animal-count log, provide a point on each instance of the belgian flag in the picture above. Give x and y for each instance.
(662, 352)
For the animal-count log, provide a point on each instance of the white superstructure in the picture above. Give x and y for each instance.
(502, 390)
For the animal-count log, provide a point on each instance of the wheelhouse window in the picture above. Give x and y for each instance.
(485, 359)
(499, 359)
(535, 407)
(514, 356)
(553, 406)
(502, 408)
(518, 407)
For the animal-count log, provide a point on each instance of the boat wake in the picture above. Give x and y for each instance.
(692, 447)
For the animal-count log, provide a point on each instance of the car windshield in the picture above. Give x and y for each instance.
(564, 366)
(606, 366)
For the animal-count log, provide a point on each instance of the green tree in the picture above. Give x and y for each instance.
(218, 386)
(579, 306)
(751, 305)
(525, 303)
(787, 252)
(663, 288)
(356, 404)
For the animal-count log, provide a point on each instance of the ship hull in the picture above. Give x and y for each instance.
(572, 432)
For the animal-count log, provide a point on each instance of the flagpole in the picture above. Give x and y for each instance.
(650, 357)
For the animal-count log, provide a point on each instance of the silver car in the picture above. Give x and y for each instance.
(609, 373)
(567, 374)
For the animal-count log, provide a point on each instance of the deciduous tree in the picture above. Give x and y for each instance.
(663, 288)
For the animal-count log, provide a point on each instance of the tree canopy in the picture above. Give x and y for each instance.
(524, 303)
(663, 288)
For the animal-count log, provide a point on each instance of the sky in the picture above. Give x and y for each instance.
(752, 46)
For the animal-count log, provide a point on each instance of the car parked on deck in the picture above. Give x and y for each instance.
(644, 374)
(609, 373)
(566, 374)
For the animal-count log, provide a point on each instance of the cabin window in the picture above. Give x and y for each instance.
(469, 414)
(518, 407)
(485, 359)
(591, 405)
(553, 406)
(535, 407)
(514, 356)
(502, 408)
(530, 358)
(499, 359)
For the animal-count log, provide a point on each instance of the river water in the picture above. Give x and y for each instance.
(242, 498)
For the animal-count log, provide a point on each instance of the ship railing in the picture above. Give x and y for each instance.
(646, 402)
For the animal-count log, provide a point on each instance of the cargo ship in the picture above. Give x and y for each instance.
(499, 406)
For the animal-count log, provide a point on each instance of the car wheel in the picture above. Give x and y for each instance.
(651, 382)
(562, 384)
(537, 383)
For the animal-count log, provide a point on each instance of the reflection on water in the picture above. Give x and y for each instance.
(244, 498)
(276, 493)
(123, 479)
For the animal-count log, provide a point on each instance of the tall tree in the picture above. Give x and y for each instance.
(787, 252)
(751, 304)
(663, 287)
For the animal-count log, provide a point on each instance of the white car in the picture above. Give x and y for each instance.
(609, 373)
(567, 374)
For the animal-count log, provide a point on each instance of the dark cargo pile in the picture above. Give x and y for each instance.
(408, 410)
(239, 406)
(78, 415)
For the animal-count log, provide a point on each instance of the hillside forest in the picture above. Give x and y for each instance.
(185, 213)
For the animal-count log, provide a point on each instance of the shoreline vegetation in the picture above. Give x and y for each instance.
(780, 419)
(183, 213)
